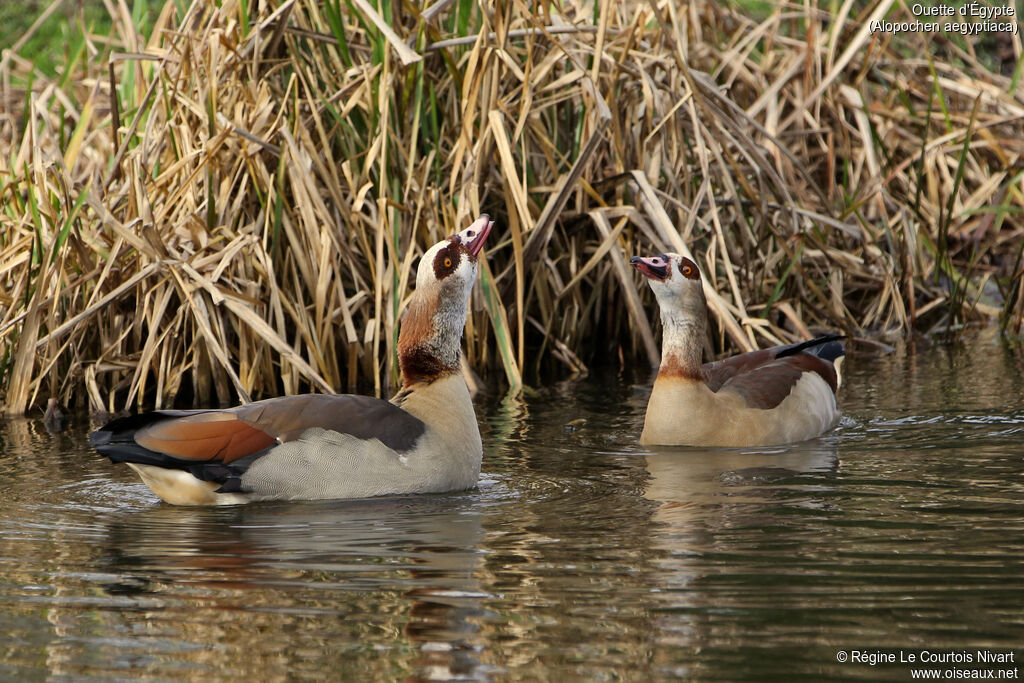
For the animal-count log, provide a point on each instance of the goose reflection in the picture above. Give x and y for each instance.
(305, 574)
(708, 507)
(686, 481)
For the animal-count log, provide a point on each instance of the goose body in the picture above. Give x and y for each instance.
(424, 440)
(761, 398)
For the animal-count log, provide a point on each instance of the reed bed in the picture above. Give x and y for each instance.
(224, 201)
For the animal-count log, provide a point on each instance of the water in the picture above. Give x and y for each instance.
(582, 555)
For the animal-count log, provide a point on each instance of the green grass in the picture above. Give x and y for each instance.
(49, 47)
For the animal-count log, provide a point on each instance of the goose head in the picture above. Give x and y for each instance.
(676, 283)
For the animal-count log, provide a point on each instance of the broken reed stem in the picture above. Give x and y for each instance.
(253, 230)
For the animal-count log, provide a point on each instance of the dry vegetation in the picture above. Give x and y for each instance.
(232, 205)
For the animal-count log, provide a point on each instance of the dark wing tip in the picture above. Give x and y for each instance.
(115, 438)
(100, 438)
(829, 351)
(828, 347)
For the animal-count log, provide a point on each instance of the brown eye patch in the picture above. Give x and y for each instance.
(688, 269)
(446, 261)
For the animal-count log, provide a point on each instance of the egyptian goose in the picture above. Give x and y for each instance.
(761, 398)
(425, 439)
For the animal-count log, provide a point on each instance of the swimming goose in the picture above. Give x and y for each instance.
(425, 439)
(761, 398)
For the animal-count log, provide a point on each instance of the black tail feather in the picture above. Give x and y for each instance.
(827, 347)
(116, 440)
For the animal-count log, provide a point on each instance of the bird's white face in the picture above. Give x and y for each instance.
(450, 264)
(674, 279)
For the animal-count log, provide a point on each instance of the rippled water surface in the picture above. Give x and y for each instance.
(582, 555)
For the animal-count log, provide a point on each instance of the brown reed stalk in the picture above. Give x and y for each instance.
(231, 205)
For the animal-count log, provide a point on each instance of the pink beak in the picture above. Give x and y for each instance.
(652, 267)
(476, 234)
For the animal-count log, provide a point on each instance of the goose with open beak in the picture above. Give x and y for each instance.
(316, 446)
(761, 398)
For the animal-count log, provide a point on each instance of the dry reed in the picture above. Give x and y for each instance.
(231, 205)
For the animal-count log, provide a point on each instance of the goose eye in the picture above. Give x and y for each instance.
(447, 262)
(687, 270)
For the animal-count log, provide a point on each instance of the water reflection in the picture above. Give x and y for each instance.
(407, 562)
(687, 482)
(582, 555)
(259, 590)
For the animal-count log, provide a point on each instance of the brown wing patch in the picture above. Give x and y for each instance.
(822, 366)
(768, 384)
(719, 372)
(211, 435)
(364, 417)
